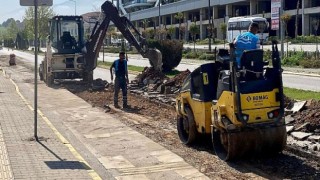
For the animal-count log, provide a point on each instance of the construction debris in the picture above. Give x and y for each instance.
(12, 60)
(156, 86)
(303, 124)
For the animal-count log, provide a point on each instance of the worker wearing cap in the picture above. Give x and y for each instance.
(121, 72)
(247, 41)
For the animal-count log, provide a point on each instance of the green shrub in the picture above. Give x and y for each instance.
(310, 63)
(206, 41)
(206, 56)
(191, 55)
(171, 52)
(186, 50)
(9, 43)
(305, 39)
(112, 49)
(267, 55)
(293, 59)
(271, 38)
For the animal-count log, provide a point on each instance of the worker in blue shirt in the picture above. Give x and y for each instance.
(247, 41)
(121, 72)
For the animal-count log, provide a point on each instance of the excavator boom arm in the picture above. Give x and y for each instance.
(124, 26)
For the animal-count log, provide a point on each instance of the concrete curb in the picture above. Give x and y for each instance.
(302, 74)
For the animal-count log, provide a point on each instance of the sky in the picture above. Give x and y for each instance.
(12, 8)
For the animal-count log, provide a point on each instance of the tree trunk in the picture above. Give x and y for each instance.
(287, 47)
(179, 30)
(194, 45)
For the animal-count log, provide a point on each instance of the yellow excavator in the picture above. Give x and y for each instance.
(68, 56)
(241, 108)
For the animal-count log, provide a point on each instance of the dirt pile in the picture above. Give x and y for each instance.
(156, 86)
(150, 76)
(178, 79)
(307, 119)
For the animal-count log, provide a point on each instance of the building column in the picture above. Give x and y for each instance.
(228, 11)
(253, 7)
(163, 19)
(305, 18)
(202, 13)
(136, 24)
(214, 12)
(306, 27)
(186, 24)
(306, 3)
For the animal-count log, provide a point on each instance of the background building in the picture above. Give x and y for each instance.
(162, 13)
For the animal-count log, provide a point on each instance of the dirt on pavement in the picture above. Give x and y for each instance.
(159, 124)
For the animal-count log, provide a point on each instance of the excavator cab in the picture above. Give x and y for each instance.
(241, 108)
(66, 34)
(64, 57)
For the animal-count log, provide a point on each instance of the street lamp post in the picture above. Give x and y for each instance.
(262, 29)
(315, 24)
(159, 14)
(210, 26)
(159, 4)
(75, 6)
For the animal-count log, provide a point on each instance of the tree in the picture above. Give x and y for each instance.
(162, 33)
(182, 29)
(12, 30)
(223, 28)
(3, 34)
(111, 33)
(145, 23)
(211, 34)
(285, 18)
(315, 24)
(44, 15)
(171, 31)
(194, 30)
(7, 22)
(179, 16)
(150, 33)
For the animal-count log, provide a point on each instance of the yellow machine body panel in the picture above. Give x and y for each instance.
(255, 106)
(259, 100)
(224, 107)
(201, 111)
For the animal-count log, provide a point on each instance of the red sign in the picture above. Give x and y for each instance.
(275, 7)
(275, 24)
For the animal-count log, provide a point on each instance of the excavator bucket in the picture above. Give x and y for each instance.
(155, 58)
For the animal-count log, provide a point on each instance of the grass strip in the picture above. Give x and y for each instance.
(136, 69)
(299, 94)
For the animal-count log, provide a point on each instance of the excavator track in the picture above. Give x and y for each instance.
(249, 142)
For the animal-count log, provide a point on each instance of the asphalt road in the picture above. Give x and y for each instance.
(29, 58)
(289, 80)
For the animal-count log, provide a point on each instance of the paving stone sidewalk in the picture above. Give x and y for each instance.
(112, 149)
(20, 156)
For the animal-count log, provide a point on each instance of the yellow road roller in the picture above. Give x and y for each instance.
(242, 108)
